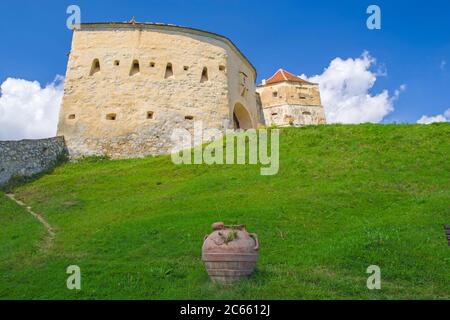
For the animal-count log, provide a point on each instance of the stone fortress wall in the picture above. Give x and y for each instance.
(26, 158)
(129, 85)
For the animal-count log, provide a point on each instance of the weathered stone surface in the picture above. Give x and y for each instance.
(29, 157)
(291, 104)
(122, 101)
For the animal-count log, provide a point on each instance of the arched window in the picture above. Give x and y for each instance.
(169, 71)
(204, 77)
(95, 67)
(135, 69)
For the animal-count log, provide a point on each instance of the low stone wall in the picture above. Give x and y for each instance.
(29, 157)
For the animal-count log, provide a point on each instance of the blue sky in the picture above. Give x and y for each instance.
(413, 45)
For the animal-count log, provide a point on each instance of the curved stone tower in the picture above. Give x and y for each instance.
(128, 85)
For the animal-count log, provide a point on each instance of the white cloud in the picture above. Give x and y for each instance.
(443, 64)
(28, 111)
(445, 117)
(345, 90)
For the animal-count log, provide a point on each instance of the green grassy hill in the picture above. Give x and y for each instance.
(345, 197)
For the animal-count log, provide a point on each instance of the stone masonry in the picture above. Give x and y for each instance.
(129, 85)
(288, 100)
(29, 157)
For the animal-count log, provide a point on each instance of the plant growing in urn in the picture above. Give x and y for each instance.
(230, 253)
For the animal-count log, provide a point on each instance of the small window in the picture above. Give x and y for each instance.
(95, 67)
(222, 67)
(189, 117)
(274, 94)
(274, 113)
(289, 119)
(204, 77)
(243, 77)
(135, 69)
(301, 96)
(117, 63)
(169, 71)
(243, 87)
(71, 116)
(306, 113)
(185, 68)
(149, 114)
(111, 116)
(152, 64)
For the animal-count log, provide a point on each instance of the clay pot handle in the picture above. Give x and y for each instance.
(255, 237)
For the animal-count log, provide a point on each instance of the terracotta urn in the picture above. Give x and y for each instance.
(230, 253)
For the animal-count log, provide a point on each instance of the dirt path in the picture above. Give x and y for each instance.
(49, 239)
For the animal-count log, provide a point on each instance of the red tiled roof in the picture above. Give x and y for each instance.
(282, 75)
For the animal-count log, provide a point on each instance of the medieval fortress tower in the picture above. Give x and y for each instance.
(288, 100)
(129, 85)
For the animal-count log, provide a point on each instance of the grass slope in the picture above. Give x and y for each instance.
(346, 197)
(19, 244)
